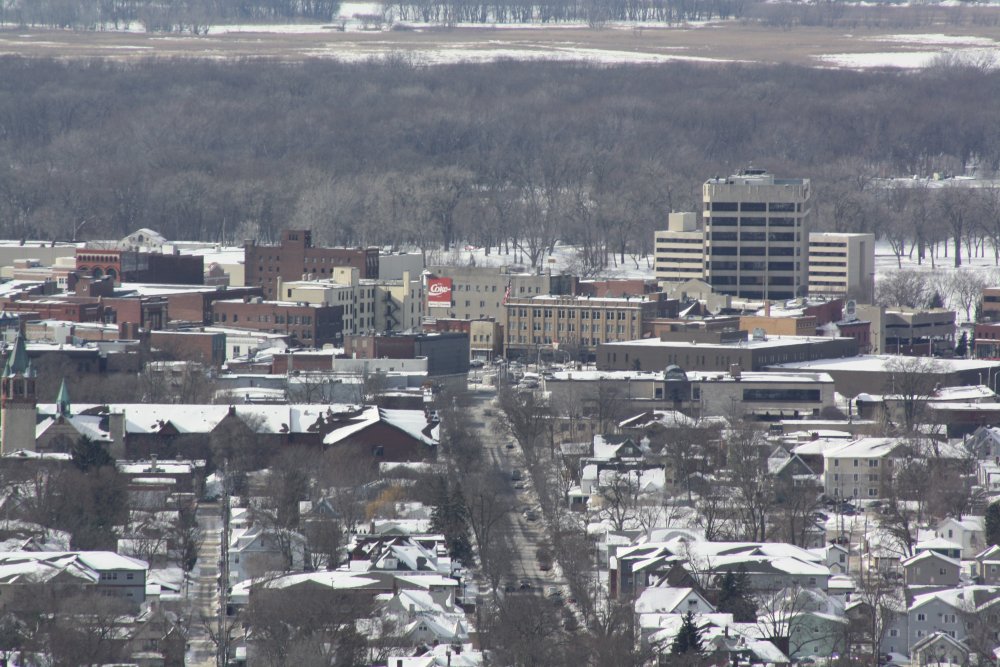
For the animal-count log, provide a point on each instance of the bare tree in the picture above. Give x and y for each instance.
(966, 286)
(752, 486)
(912, 381)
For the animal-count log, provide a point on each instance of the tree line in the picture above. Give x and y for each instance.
(178, 15)
(511, 156)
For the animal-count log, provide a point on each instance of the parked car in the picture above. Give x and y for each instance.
(525, 585)
(516, 475)
(477, 363)
(531, 515)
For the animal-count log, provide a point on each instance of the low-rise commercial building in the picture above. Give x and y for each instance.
(306, 324)
(579, 325)
(721, 352)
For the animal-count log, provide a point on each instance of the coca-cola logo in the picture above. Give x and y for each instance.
(439, 288)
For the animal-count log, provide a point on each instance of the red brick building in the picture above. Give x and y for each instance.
(297, 259)
(145, 267)
(207, 347)
(196, 307)
(306, 324)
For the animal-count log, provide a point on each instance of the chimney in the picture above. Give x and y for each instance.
(767, 308)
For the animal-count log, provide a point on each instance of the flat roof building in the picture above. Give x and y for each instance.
(679, 251)
(842, 265)
(690, 352)
(757, 235)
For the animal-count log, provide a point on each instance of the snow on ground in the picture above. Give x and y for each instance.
(935, 39)
(473, 52)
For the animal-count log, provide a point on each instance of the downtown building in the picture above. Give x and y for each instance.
(756, 230)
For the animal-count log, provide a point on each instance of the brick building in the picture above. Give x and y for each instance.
(196, 306)
(297, 259)
(207, 347)
(306, 324)
(578, 324)
(447, 353)
(141, 267)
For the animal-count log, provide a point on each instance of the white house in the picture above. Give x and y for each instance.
(860, 468)
(969, 531)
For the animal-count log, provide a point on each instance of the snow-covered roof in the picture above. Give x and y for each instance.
(864, 448)
(412, 422)
(664, 600)
(879, 363)
(930, 555)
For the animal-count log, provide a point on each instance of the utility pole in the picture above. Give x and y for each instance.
(222, 657)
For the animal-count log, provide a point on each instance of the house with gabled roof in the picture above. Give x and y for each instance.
(861, 468)
(969, 531)
(987, 567)
(930, 568)
(939, 648)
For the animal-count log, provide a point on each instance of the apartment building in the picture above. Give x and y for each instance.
(862, 468)
(842, 265)
(578, 324)
(295, 258)
(477, 293)
(679, 251)
(369, 305)
(756, 235)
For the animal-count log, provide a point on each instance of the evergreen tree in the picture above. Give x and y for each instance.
(993, 524)
(936, 301)
(450, 517)
(962, 348)
(89, 454)
(735, 597)
(688, 639)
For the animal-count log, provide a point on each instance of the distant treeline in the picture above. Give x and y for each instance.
(198, 15)
(192, 15)
(507, 155)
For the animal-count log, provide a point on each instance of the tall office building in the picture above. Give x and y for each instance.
(842, 265)
(680, 249)
(757, 235)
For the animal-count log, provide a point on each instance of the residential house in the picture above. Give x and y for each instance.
(930, 568)
(60, 572)
(968, 531)
(861, 468)
(255, 551)
(946, 611)
(987, 566)
(939, 648)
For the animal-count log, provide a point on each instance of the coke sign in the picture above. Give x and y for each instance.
(439, 292)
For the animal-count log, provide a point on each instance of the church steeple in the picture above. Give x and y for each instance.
(17, 401)
(63, 406)
(18, 362)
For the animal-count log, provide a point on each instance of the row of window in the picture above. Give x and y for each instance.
(754, 236)
(266, 319)
(786, 207)
(729, 221)
(750, 251)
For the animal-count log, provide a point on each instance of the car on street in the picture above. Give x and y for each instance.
(525, 585)
(477, 363)
(530, 515)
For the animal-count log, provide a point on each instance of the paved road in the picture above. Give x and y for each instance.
(205, 587)
(526, 536)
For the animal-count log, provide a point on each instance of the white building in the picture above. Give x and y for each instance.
(842, 265)
(861, 468)
(680, 249)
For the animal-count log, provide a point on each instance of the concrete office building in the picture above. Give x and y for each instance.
(757, 235)
(679, 251)
(842, 265)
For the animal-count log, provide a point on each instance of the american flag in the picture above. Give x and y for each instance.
(506, 293)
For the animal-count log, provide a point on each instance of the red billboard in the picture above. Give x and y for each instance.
(439, 292)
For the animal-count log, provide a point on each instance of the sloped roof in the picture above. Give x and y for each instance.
(411, 422)
(665, 600)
